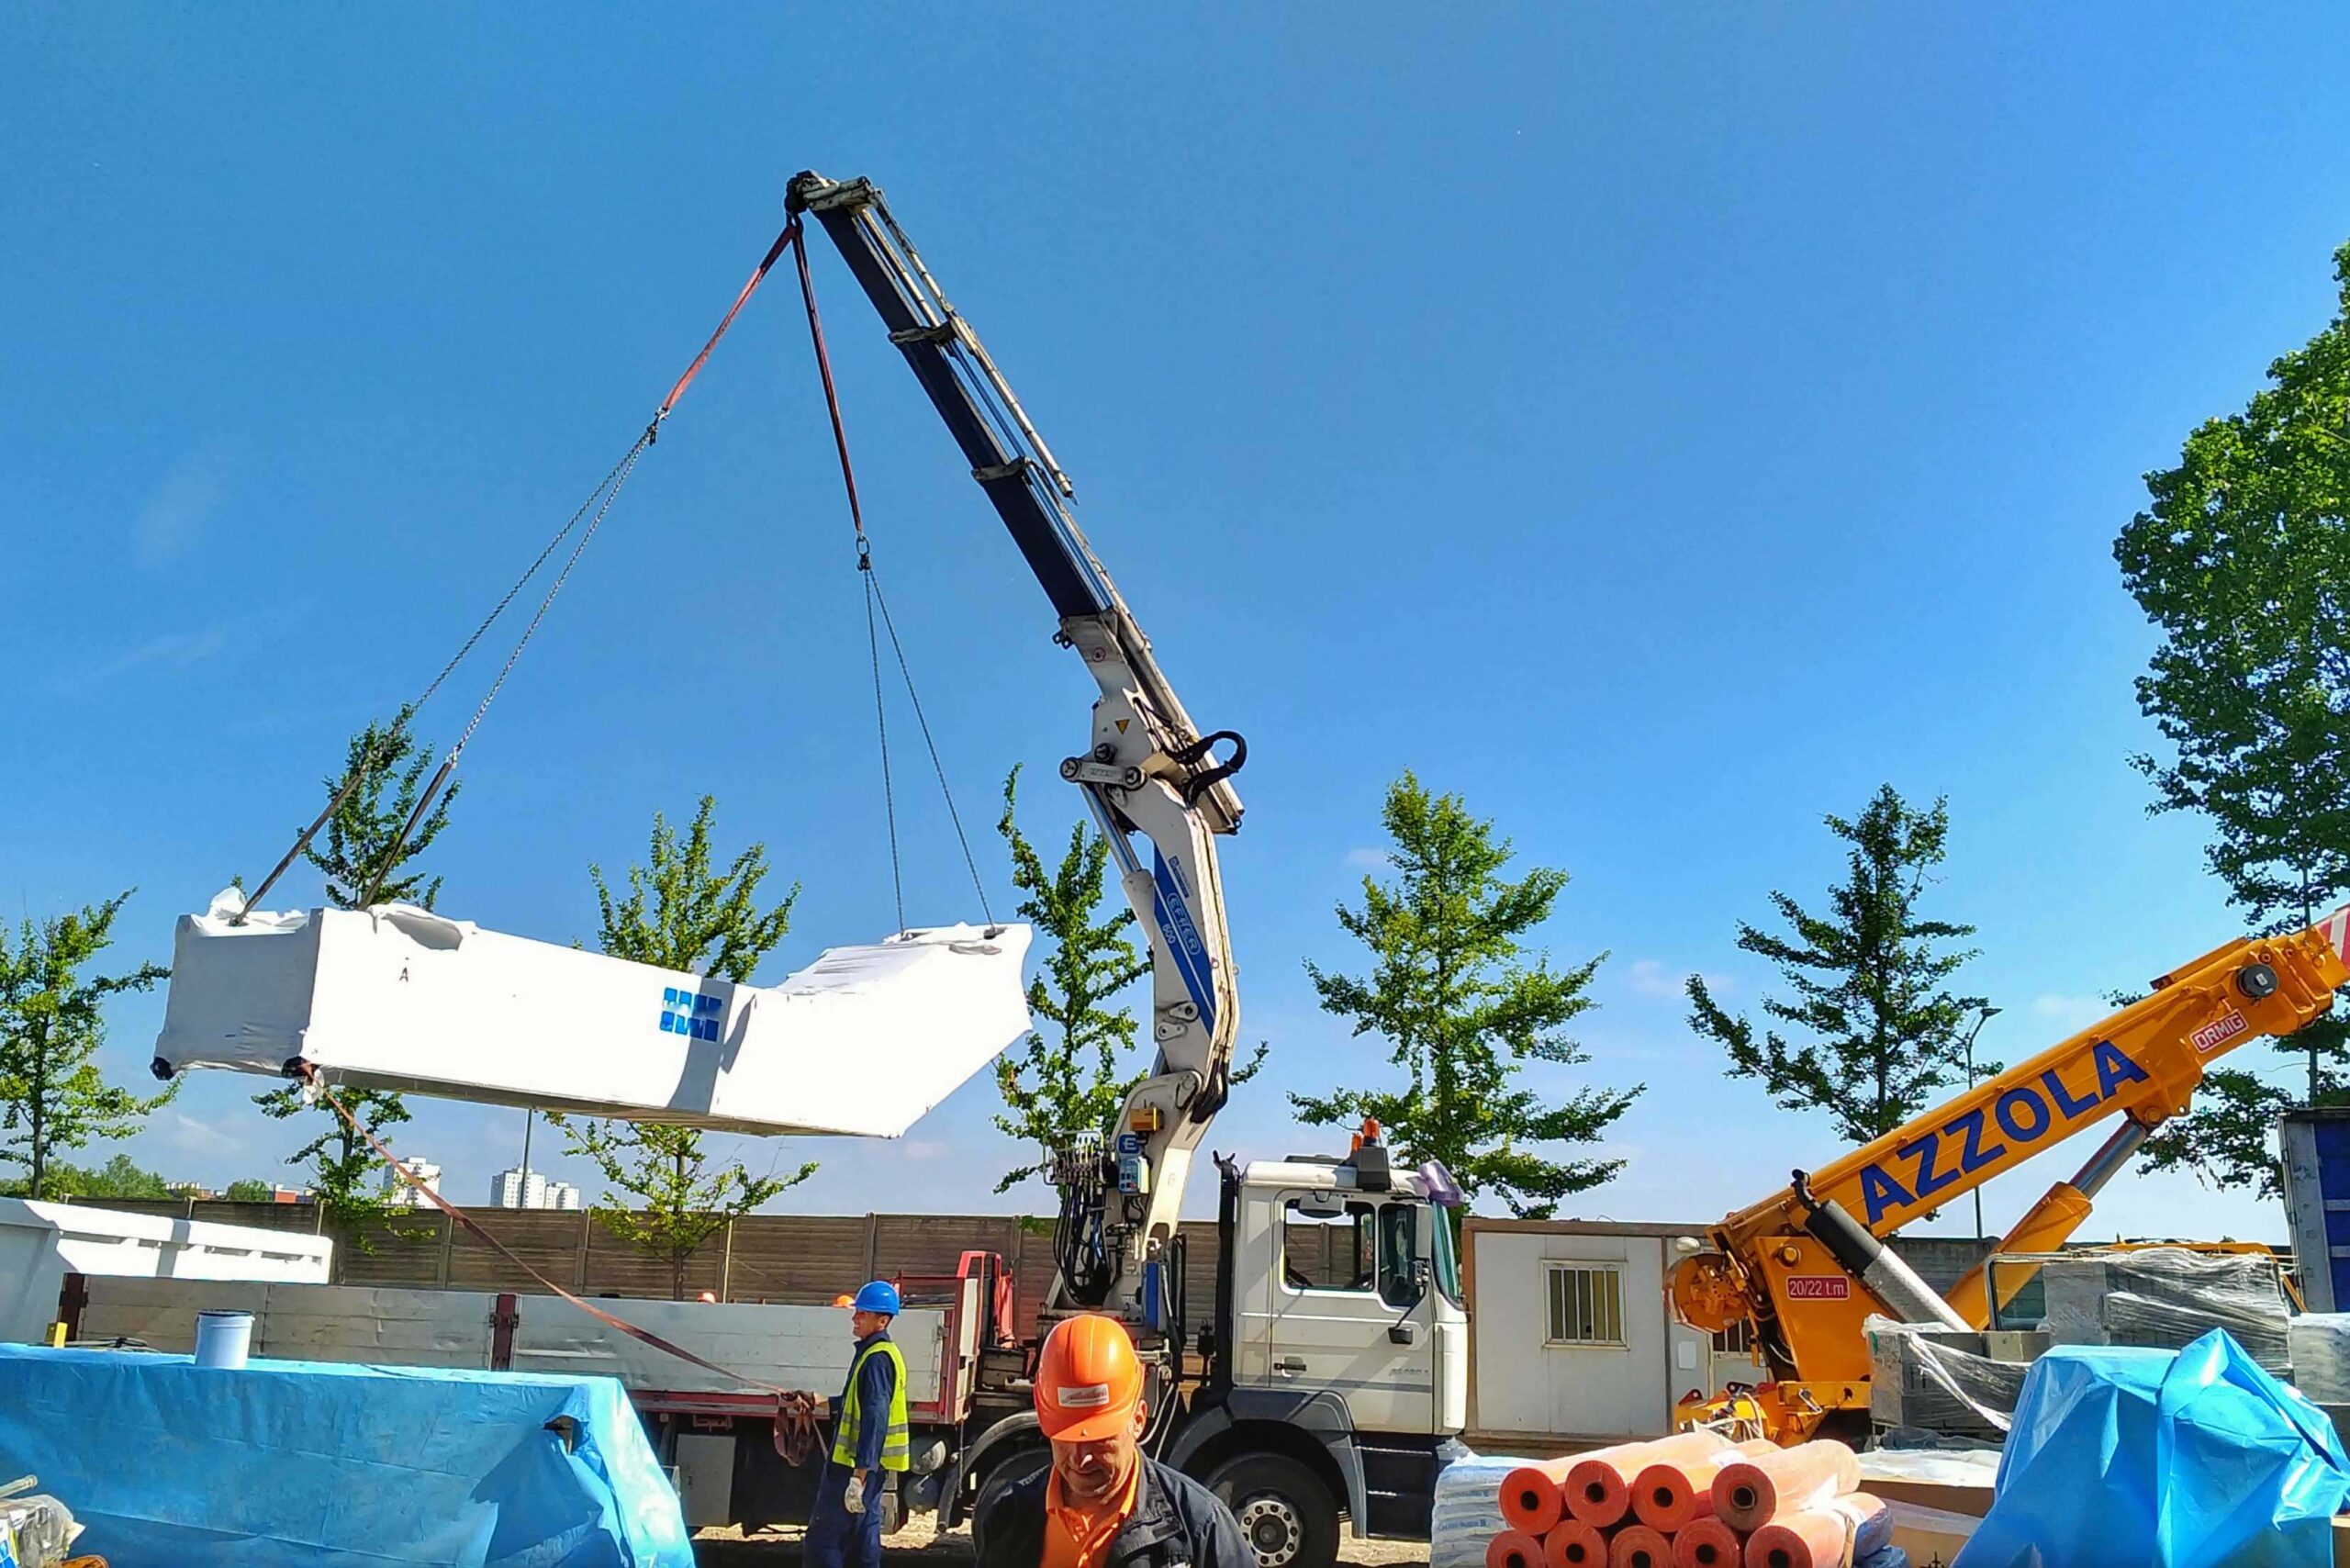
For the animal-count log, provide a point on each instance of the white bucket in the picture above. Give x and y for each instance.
(222, 1339)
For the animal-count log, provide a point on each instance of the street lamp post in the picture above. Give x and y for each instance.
(1983, 1017)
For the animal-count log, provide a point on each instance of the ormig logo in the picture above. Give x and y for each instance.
(1818, 1287)
(2220, 1031)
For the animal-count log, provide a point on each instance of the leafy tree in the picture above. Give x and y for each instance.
(249, 1190)
(387, 758)
(1867, 980)
(120, 1178)
(1054, 1090)
(363, 842)
(2242, 561)
(52, 1096)
(1061, 1088)
(1463, 1006)
(681, 915)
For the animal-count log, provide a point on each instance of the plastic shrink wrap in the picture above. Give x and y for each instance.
(1468, 1512)
(862, 1041)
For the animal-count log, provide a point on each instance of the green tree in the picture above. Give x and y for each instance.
(52, 1096)
(2242, 561)
(1056, 1090)
(1060, 1089)
(1867, 983)
(122, 1178)
(363, 845)
(1463, 1004)
(679, 914)
(250, 1191)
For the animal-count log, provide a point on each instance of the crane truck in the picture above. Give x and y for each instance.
(1806, 1267)
(1303, 1405)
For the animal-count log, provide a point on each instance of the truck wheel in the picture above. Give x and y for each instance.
(1287, 1514)
(1019, 1465)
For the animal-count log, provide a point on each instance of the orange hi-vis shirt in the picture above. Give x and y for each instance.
(1078, 1538)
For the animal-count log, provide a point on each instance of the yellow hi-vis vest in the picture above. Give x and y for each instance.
(897, 1445)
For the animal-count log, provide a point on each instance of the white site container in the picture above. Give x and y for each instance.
(862, 1041)
(40, 1243)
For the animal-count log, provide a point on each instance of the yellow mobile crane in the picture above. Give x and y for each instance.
(1808, 1265)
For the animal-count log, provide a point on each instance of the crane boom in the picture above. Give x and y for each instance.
(1147, 769)
(1805, 1266)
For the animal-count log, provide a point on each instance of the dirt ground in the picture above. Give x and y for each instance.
(920, 1544)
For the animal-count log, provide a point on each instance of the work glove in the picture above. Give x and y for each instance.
(853, 1498)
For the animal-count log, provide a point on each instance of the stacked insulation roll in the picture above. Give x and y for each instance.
(1693, 1500)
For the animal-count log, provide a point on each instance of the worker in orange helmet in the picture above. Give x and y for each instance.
(1104, 1501)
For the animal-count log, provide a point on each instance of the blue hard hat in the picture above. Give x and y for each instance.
(879, 1296)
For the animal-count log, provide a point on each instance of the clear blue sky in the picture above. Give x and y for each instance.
(1660, 426)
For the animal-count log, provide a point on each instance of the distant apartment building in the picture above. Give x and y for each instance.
(518, 1188)
(515, 1189)
(422, 1172)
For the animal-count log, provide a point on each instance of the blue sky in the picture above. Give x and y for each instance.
(1663, 427)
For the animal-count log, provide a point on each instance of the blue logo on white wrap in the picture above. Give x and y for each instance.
(1172, 908)
(691, 1013)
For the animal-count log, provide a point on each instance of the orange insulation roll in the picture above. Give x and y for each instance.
(1758, 1488)
(1707, 1543)
(1859, 1524)
(1530, 1500)
(1598, 1486)
(1667, 1496)
(1513, 1549)
(1808, 1538)
(1575, 1544)
(1636, 1546)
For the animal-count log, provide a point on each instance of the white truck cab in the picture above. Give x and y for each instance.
(1337, 1362)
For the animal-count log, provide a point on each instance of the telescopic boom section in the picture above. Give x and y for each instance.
(1805, 1266)
(1147, 769)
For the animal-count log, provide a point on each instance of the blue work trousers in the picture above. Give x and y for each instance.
(837, 1537)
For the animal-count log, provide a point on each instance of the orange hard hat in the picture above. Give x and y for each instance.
(1088, 1380)
(843, 1300)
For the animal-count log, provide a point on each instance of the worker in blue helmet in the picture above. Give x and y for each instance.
(869, 1439)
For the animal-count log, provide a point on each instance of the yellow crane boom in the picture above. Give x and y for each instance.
(1807, 1266)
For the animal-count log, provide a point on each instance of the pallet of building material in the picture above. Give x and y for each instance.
(862, 1041)
(2320, 1342)
(1938, 1380)
(2165, 1298)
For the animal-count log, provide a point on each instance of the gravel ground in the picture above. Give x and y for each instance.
(920, 1544)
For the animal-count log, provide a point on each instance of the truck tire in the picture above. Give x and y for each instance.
(1289, 1516)
(1009, 1471)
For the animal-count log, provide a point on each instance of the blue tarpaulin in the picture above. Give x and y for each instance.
(310, 1464)
(2184, 1459)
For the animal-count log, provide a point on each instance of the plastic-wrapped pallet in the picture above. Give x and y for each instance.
(2320, 1347)
(1927, 1376)
(2165, 1298)
(1468, 1509)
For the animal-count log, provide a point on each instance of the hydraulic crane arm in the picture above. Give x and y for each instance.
(1147, 769)
(1805, 1266)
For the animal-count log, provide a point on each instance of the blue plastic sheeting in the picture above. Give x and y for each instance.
(2185, 1459)
(307, 1464)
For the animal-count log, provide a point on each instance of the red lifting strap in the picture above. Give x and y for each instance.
(789, 236)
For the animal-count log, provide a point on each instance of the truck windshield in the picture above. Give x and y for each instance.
(1448, 1266)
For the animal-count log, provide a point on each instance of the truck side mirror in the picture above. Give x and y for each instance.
(1404, 1333)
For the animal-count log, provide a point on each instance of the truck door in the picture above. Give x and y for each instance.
(1343, 1270)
